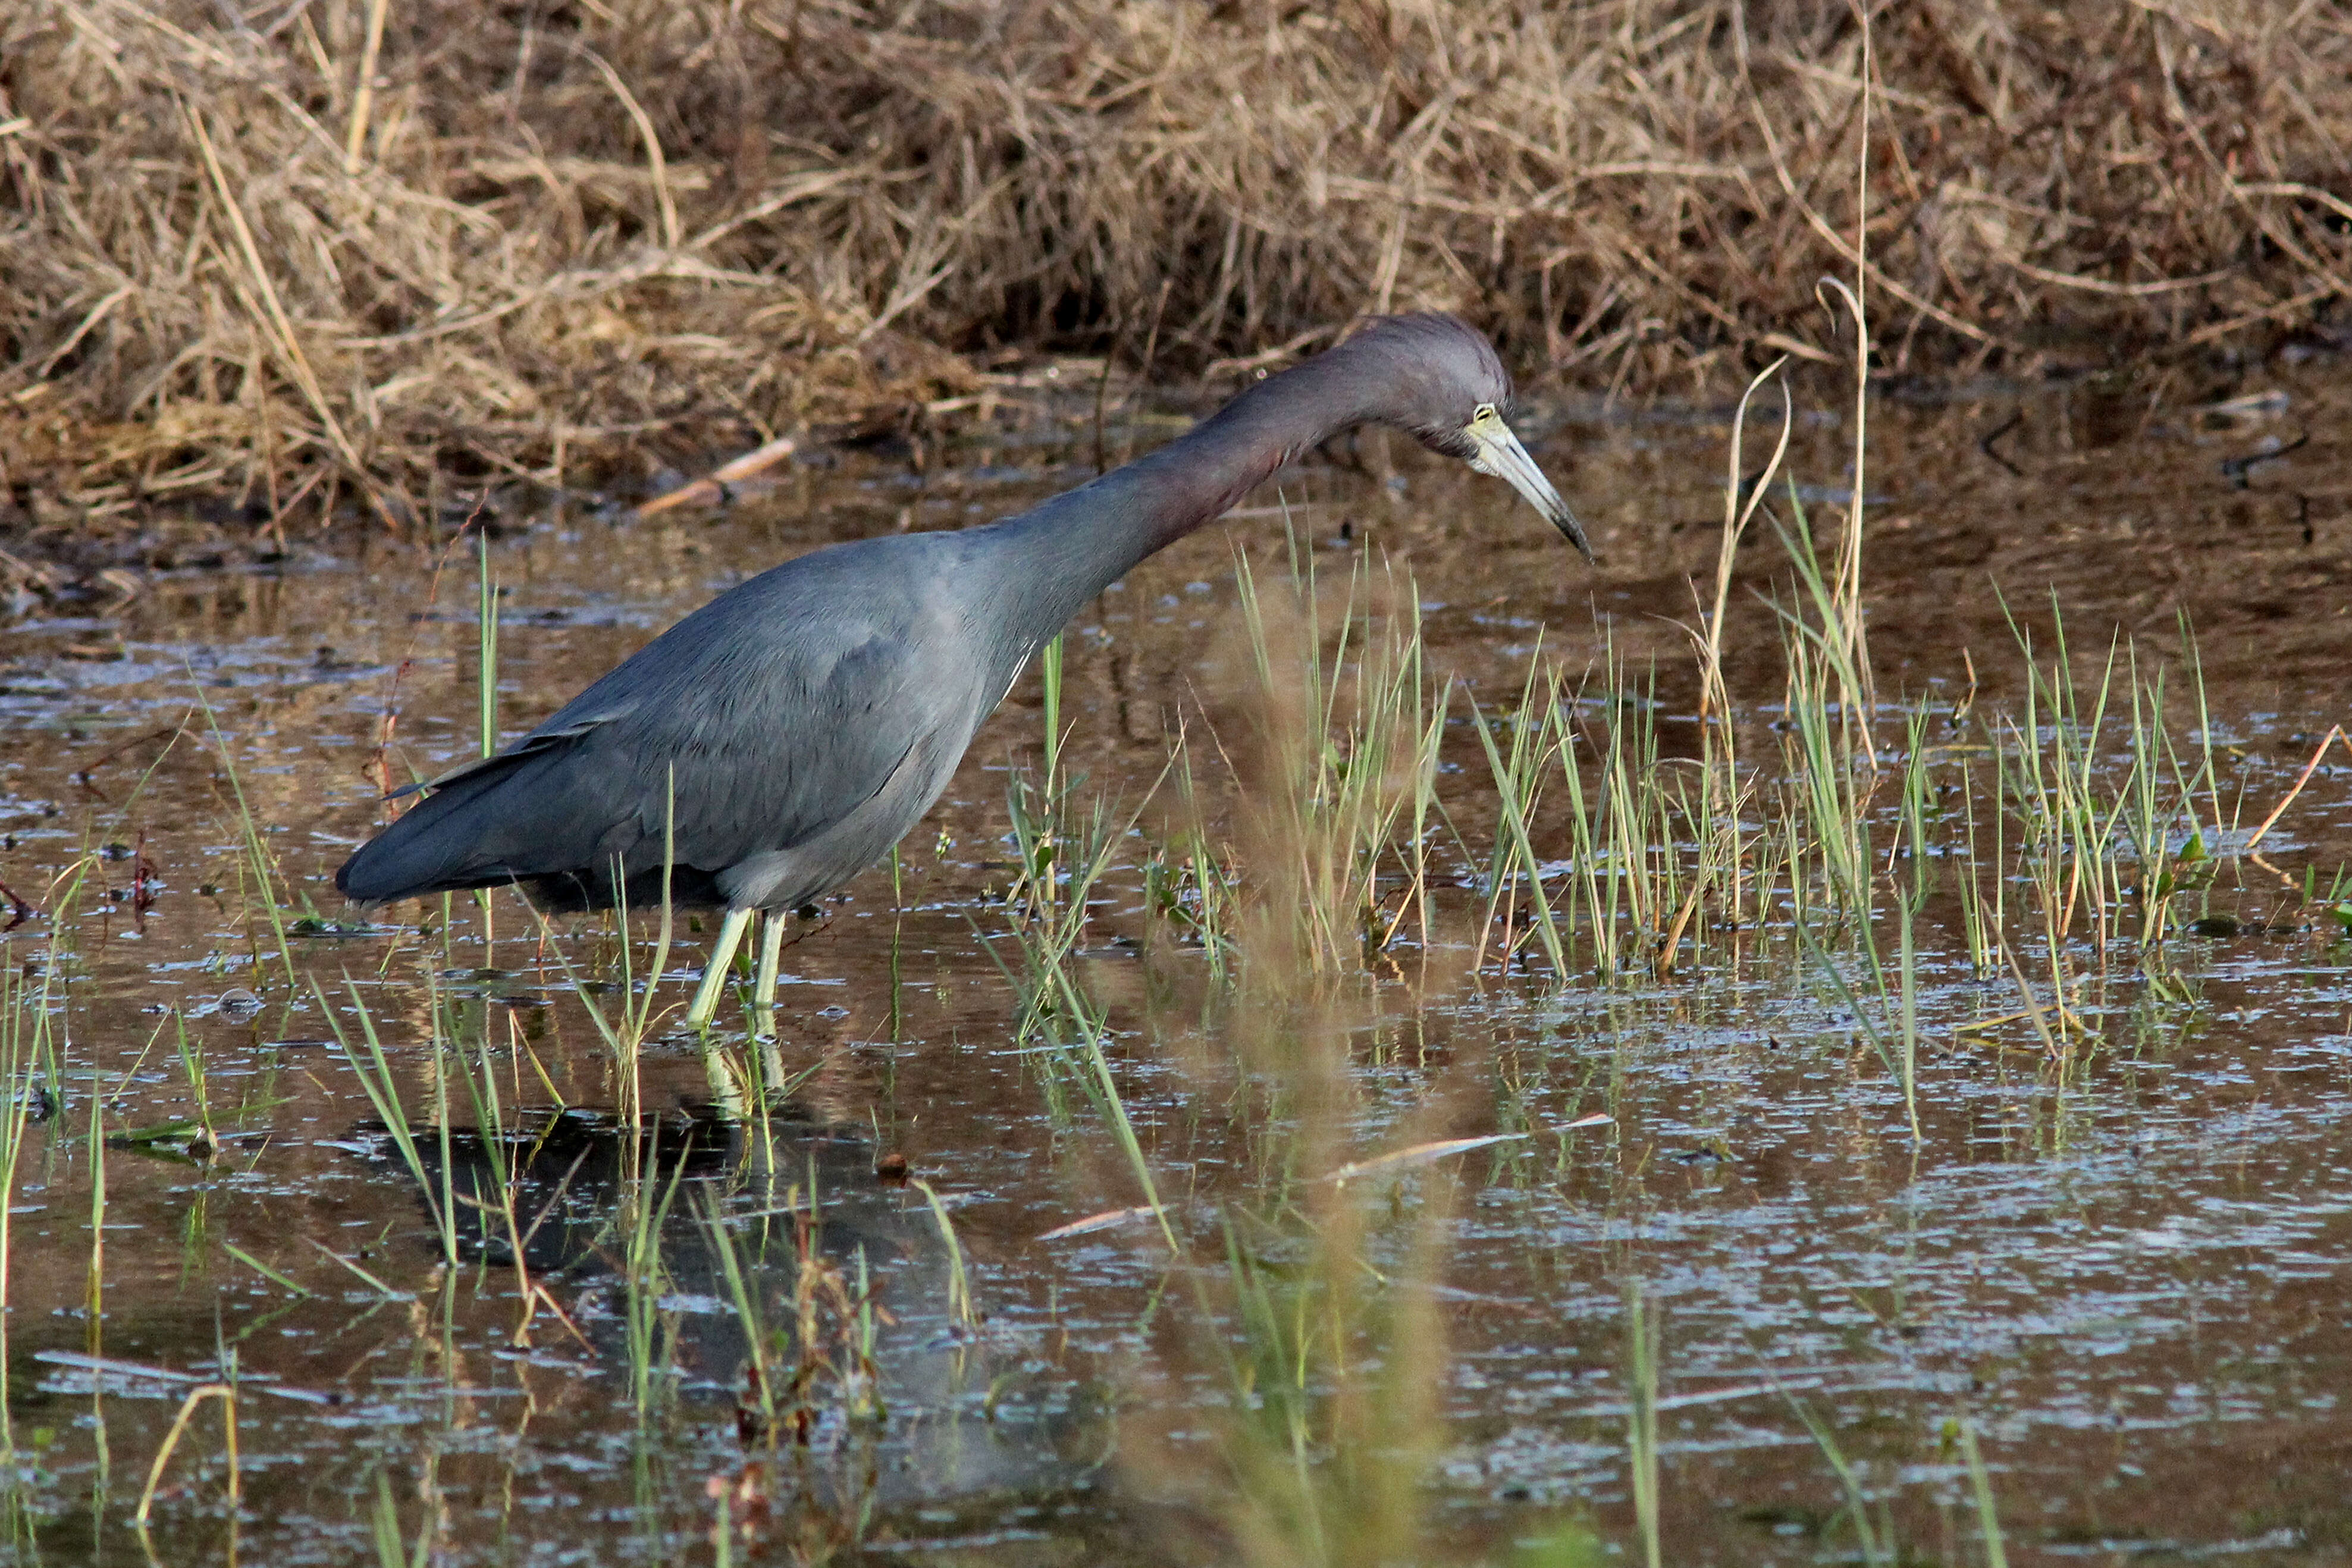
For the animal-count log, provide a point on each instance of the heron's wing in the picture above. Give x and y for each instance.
(734, 734)
(540, 739)
(759, 744)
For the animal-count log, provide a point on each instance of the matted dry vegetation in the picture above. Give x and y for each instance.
(283, 249)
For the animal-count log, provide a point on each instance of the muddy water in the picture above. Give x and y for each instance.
(2126, 1278)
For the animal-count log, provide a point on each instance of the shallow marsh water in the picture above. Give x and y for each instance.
(2123, 1275)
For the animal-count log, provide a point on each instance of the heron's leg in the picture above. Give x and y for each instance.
(714, 974)
(771, 956)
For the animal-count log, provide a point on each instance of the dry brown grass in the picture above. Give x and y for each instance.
(249, 246)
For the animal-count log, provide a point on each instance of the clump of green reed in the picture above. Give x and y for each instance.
(1723, 873)
(2158, 803)
(1064, 852)
(1064, 856)
(1070, 1029)
(1874, 1538)
(1515, 868)
(1347, 747)
(501, 1228)
(1072, 849)
(1645, 849)
(1645, 1340)
(195, 1398)
(31, 1051)
(1338, 726)
(1332, 1379)
(2091, 842)
(258, 862)
(637, 1223)
(1996, 1551)
(391, 1549)
(2050, 766)
(1189, 892)
(1318, 1324)
(1627, 896)
(820, 1345)
(373, 1071)
(2102, 821)
(625, 1030)
(1339, 734)
(1887, 1008)
(1052, 837)
(1609, 857)
(760, 1339)
(1829, 755)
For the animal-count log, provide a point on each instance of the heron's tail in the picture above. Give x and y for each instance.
(450, 841)
(524, 816)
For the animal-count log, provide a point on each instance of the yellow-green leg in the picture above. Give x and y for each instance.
(714, 975)
(771, 958)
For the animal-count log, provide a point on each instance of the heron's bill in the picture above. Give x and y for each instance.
(1500, 453)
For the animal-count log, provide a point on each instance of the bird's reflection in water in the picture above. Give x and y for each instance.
(655, 1243)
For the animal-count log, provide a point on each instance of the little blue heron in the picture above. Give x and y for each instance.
(778, 740)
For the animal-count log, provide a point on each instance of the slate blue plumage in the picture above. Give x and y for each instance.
(791, 730)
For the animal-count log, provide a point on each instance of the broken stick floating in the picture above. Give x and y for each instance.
(1427, 1153)
(1094, 1222)
(711, 490)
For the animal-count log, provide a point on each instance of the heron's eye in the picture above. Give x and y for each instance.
(1483, 413)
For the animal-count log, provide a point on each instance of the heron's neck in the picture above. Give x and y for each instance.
(1076, 545)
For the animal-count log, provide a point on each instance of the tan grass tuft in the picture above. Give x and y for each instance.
(290, 250)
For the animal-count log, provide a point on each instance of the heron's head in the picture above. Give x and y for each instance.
(1453, 396)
